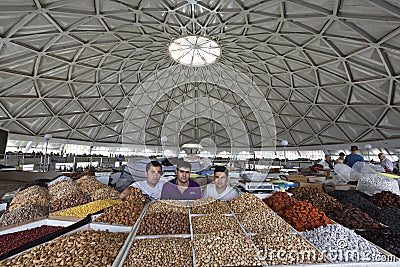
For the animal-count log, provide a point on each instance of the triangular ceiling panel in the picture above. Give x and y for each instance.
(74, 68)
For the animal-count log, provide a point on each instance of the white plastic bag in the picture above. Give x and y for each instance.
(371, 182)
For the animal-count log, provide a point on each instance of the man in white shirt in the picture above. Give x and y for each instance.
(220, 188)
(386, 163)
(326, 163)
(152, 186)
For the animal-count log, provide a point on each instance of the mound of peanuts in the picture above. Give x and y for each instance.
(90, 208)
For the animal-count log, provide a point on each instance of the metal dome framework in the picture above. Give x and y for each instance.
(328, 69)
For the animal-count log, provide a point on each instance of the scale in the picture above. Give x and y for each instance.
(266, 187)
(254, 182)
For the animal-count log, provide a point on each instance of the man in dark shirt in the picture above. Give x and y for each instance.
(181, 188)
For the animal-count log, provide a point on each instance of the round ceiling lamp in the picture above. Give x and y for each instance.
(194, 50)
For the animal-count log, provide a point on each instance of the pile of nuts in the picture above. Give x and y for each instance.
(36, 195)
(340, 244)
(214, 223)
(245, 202)
(385, 199)
(84, 248)
(317, 197)
(66, 194)
(107, 192)
(86, 209)
(160, 252)
(125, 213)
(73, 199)
(263, 221)
(353, 218)
(91, 186)
(286, 249)
(163, 223)
(279, 201)
(387, 238)
(208, 205)
(26, 213)
(13, 240)
(225, 248)
(168, 206)
(88, 184)
(304, 216)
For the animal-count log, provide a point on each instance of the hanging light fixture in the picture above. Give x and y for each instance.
(284, 144)
(194, 50)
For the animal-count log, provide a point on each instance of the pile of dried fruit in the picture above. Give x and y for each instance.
(304, 216)
(279, 201)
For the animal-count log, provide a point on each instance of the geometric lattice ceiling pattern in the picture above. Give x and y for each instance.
(329, 70)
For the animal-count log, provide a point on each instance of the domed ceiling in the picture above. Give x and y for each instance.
(313, 72)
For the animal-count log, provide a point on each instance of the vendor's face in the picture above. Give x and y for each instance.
(220, 180)
(183, 175)
(153, 175)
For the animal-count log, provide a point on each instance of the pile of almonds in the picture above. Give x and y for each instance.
(35, 195)
(96, 190)
(127, 212)
(163, 223)
(208, 205)
(168, 206)
(263, 221)
(225, 248)
(170, 252)
(214, 223)
(84, 248)
(245, 202)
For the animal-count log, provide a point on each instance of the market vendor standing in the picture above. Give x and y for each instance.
(182, 187)
(152, 186)
(220, 188)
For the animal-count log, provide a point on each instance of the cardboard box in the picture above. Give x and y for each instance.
(314, 179)
(297, 178)
(315, 185)
(345, 187)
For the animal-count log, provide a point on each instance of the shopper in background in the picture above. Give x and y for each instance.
(340, 159)
(386, 163)
(220, 188)
(182, 187)
(326, 163)
(354, 157)
(152, 186)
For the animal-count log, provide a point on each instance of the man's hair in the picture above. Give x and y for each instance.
(341, 154)
(154, 164)
(221, 169)
(381, 154)
(327, 155)
(354, 148)
(183, 164)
